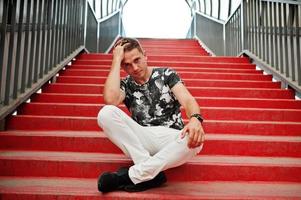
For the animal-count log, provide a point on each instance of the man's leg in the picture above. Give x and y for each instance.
(172, 152)
(134, 140)
(124, 132)
(153, 149)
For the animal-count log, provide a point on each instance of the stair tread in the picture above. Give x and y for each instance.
(85, 187)
(108, 67)
(100, 134)
(207, 120)
(215, 160)
(178, 71)
(202, 59)
(189, 87)
(201, 107)
(197, 97)
(197, 56)
(184, 79)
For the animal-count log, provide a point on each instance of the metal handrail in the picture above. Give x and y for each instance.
(230, 15)
(211, 18)
(38, 38)
(267, 29)
(114, 6)
(284, 1)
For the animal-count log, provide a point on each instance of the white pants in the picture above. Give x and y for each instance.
(152, 149)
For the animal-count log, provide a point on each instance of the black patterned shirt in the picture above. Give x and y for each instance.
(153, 103)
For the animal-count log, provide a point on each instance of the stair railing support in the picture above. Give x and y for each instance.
(244, 32)
(34, 47)
(269, 29)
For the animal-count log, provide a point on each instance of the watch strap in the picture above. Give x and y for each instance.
(198, 116)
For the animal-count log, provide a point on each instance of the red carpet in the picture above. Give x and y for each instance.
(53, 148)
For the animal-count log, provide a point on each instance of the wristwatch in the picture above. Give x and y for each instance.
(198, 116)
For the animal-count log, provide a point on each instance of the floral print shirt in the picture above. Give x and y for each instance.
(153, 103)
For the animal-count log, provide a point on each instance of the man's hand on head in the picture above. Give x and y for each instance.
(118, 52)
(195, 132)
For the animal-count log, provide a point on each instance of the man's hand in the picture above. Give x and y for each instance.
(195, 131)
(118, 53)
(112, 93)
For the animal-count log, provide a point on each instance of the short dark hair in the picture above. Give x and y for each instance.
(131, 43)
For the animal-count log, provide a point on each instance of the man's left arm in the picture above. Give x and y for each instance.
(194, 127)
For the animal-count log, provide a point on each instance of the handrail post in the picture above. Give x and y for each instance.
(224, 40)
(244, 32)
(194, 19)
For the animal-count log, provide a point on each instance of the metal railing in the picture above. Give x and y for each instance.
(213, 41)
(37, 36)
(109, 29)
(208, 6)
(91, 35)
(104, 8)
(101, 34)
(268, 31)
(273, 34)
(233, 34)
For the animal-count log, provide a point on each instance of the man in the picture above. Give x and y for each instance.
(155, 138)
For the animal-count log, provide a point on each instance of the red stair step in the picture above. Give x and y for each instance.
(86, 189)
(67, 98)
(203, 101)
(210, 113)
(94, 141)
(219, 59)
(195, 91)
(173, 64)
(144, 41)
(170, 50)
(251, 114)
(32, 122)
(90, 165)
(170, 44)
(183, 74)
(188, 82)
(200, 53)
(249, 102)
(190, 66)
(178, 69)
(74, 188)
(149, 46)
(55, 109)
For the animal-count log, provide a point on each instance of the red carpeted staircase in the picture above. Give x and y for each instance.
(53, 148)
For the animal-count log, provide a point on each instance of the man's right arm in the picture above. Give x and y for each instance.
(112, 93)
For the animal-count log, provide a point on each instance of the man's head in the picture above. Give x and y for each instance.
(134, 61)
(130, 44)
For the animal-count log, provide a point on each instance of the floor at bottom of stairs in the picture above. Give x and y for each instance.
(73, 188)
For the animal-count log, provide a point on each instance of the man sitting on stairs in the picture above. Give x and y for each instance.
(155, 138)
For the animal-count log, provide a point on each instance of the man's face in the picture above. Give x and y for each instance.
(134, 63)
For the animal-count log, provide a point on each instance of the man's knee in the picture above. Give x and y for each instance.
(105, 115)
(186, 150)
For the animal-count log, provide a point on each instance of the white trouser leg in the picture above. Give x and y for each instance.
(124, 132)
(152, 149)
(172, 152)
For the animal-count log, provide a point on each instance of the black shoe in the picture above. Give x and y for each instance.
(156, 182)
(110, 181)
